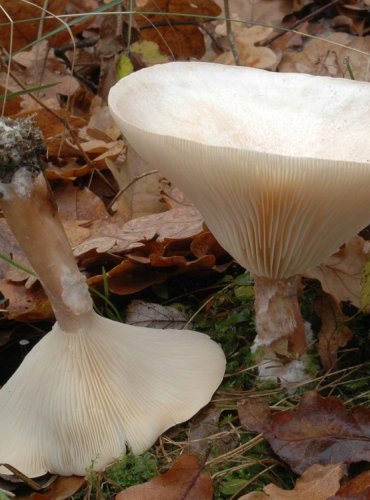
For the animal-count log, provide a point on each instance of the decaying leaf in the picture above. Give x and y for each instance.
(318, 431)
(246, 40)
(340, 276)
(333, 332)
(203, 431)
(318, 482)
(330, 56)
(152, 315)
(61, 489)
(185, 480)
(177, 36)
(356, 489)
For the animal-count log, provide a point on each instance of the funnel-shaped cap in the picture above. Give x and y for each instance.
(278, 164)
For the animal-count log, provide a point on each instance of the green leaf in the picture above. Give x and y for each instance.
(149, 51)
(124, 66)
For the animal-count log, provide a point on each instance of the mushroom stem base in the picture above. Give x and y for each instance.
(279, 321)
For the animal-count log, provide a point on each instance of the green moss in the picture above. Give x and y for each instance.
(131, 470)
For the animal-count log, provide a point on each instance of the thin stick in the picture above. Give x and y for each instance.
(122, 190)
(230, 34)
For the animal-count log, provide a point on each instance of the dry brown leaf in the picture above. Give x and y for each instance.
(267, 11)
(25, 305)
(318, 482)
(151, 315)
(178, 39)
(184, 480)
(61, 489)
(114, 236)
(26, 33)
(340, 276)
(318, 431)
(245, 41)
(326, 58)
(333, 332)
(356, 489)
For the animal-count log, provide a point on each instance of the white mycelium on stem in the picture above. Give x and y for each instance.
(91, 386)
(278, 164)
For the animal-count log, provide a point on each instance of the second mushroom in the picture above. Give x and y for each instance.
(278, 164)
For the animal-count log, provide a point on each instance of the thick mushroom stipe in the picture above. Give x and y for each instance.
(78, 399)
(277, 163)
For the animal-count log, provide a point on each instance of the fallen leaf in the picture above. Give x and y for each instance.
(356, 489)
(112, 235)
(140, 313)
(333, 333)
(245, 41)
(330, 56)
(340, 275)
(318, 482)
(62, 488)
(318, 431)
(25, 305)
(184, 480)
(181, 39)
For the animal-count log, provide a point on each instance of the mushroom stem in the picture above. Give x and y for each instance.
(91, 387)
(278, 314)
(33, 219)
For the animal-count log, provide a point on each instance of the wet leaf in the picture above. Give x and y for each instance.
(184, 480)
(318, 482)
(318, 431)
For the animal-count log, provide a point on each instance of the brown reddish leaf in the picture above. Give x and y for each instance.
(340, 276)
(132, 276)
(173, 37)
(24, 304)
(140, 313)
(184, 480)
(61, 489)
(255, 415)
(28, 32)
(112, 235)
(318, 482)
(356, 489)
(202, 432)
(333, 332)
(204, 244)
(319, 431)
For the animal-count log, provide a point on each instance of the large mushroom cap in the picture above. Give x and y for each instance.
(79, 398)
(278, 163)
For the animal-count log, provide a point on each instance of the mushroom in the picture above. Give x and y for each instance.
(91, 386)
(277, 163)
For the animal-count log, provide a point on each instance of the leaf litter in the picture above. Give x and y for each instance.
(150, 236)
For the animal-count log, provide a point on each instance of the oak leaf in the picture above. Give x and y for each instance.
(318, 431)
(318, 482)
(184, 480)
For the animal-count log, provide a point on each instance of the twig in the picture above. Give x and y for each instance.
(230, 34)
(298, 23)
(122, 190)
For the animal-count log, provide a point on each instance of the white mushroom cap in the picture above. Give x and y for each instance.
(79, 398)
(278, 164)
